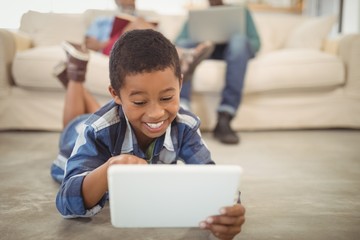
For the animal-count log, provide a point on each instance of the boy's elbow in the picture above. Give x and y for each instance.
(73, 206)
(69, 202)
(66, 207)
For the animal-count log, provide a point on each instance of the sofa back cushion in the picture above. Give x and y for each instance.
(294, 69)
(52, 28)
(311, 33)
(279, 31)
(273, 29)
(48, 29)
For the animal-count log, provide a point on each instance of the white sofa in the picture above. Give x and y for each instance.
(299, 79)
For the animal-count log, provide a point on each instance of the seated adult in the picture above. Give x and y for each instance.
(236, 52)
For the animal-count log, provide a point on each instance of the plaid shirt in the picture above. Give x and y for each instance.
(107, 133)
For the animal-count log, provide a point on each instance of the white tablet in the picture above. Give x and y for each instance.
(142, 196)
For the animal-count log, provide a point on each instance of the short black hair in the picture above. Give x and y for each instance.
(141, 51)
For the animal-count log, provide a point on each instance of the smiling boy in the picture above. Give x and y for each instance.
(142, 125)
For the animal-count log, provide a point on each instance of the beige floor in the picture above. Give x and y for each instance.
(297, 185)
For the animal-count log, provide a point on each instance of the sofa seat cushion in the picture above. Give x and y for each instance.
(34, 69)
(209, 76)
(283, 69)
(294, 69)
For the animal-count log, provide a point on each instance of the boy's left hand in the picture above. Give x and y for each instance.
(226, 225)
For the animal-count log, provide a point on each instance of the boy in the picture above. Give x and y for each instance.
(142, 125)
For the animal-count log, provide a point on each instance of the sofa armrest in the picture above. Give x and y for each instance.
(349, 52)
(23, 41)
(10, 43)
(331, 45)
(7, 53)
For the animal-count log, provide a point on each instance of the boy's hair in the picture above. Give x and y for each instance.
(141, 51)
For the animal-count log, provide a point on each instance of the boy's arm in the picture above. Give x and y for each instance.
(88, 154)
(83, 191)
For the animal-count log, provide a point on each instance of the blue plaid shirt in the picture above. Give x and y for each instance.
(107, 133)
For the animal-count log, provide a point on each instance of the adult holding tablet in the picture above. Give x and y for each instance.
(237, 51)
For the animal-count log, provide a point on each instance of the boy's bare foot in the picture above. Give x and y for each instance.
(190, 58)
(77, 59)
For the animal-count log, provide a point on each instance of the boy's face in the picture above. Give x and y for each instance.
(150, 101)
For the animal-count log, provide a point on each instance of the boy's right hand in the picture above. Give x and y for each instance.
(95, 183)
(126, 159)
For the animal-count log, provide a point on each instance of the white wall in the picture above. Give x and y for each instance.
(351, 16)
(11, 10)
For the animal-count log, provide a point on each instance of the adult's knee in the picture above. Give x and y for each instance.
(238, 47)
(238, 43)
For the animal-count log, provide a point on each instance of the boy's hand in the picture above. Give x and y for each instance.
(126, 159)
(95, 183)
(226, 225)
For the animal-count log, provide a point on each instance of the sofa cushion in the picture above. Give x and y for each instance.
(51, 28)
(294, 69)
(283, 69)
(209, 76)
(311, 33)
(291, 31)
(171, 25)
(273, 29)
(34, 69)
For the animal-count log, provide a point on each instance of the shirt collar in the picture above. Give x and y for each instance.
(168, 143)
(128, 143)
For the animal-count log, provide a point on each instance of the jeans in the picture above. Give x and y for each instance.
(236, 53)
